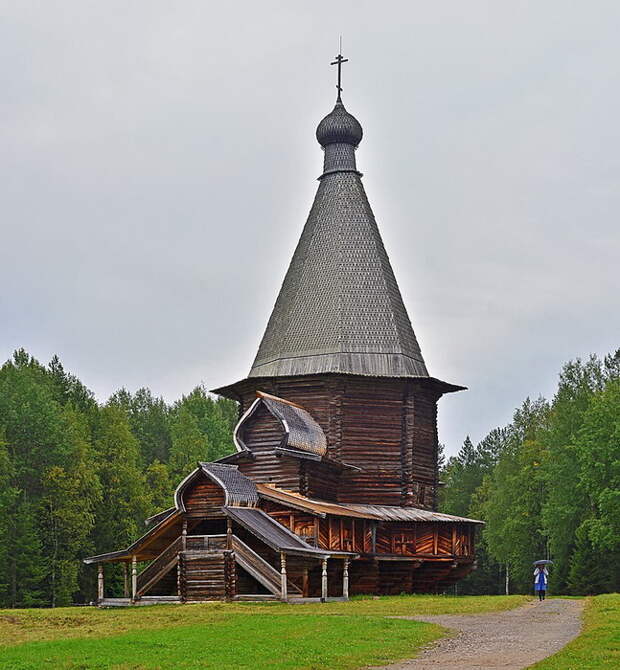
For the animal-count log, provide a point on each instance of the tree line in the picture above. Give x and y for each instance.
(78, 478)
(547, 486)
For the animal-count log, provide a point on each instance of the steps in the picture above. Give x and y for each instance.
(208, 572)
(158, 568)
(263, 572)
(207, 575)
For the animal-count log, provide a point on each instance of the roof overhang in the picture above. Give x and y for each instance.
(139, 545)
(232, 391)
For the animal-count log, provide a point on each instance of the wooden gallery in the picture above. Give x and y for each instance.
(332, 486)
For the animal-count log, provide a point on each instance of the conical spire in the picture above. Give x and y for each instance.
(339, 309)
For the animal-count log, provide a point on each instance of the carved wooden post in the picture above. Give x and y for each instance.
(283, 581)
(184, 535)
(125, 581)
(99, 582)
(134, 578)
(323, 580)
(345, 579)
(229, 534)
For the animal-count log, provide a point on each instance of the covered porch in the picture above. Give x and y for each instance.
(255, 558)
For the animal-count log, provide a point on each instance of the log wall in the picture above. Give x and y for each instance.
(203, 497)
(319, 480)
(208, 575)
(387, 427)
(262, 435)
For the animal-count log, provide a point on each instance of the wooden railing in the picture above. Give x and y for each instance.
(159, 566)
(205, 543)
(195, 545)
(258, 567)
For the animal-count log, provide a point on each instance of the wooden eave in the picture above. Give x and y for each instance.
(140, 548)
(407, 514)
(234, 391)
(315, 507)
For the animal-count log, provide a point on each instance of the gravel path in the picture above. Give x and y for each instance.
(499, 641)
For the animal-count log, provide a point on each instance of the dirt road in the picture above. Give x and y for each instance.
(499, 641)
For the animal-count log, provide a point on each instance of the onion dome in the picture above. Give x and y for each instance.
(339, 127)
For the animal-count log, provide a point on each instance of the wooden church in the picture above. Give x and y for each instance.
(331, 488)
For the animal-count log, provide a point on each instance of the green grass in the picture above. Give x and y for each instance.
(598, 646)
(334, 636)
(31, 625)
(236, 641)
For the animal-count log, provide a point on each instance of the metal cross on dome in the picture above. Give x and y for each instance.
(339, 61)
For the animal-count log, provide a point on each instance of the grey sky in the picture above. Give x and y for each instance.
(158, 161)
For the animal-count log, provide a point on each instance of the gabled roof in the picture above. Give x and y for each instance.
(302, 434)
(238, 489)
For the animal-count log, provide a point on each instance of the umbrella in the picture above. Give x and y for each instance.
(544, 562)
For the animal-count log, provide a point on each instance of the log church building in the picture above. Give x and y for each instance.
(331, 486)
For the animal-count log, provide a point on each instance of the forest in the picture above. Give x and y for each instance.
(78, 477)
(547, 486)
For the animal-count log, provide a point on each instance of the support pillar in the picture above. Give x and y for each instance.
(184, 536)
(125, 581)
(99, 582)
(229, 534)
(283, 580)
(345, 579)
(323, 580)
(134, 578)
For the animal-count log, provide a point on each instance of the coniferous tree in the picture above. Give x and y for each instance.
(150, 423)
(189, 443)
(8, 501)
(71, 495)
(159, 486)
(214, 418)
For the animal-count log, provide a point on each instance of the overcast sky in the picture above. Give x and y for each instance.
(158, 162)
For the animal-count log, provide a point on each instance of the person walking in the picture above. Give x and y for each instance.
(541, 577)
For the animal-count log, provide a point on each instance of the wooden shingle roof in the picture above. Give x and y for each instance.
(340, 309)
(303, 436)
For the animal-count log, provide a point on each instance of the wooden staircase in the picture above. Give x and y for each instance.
(263, 572)
(208, 570)
(159, 567)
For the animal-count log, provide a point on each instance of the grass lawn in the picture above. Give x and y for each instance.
(598, 646)
(229, 635)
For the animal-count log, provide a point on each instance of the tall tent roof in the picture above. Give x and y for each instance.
(339, 309)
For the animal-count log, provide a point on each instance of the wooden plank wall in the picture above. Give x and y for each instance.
(348, 534)
(437, 539)
(345, 534)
